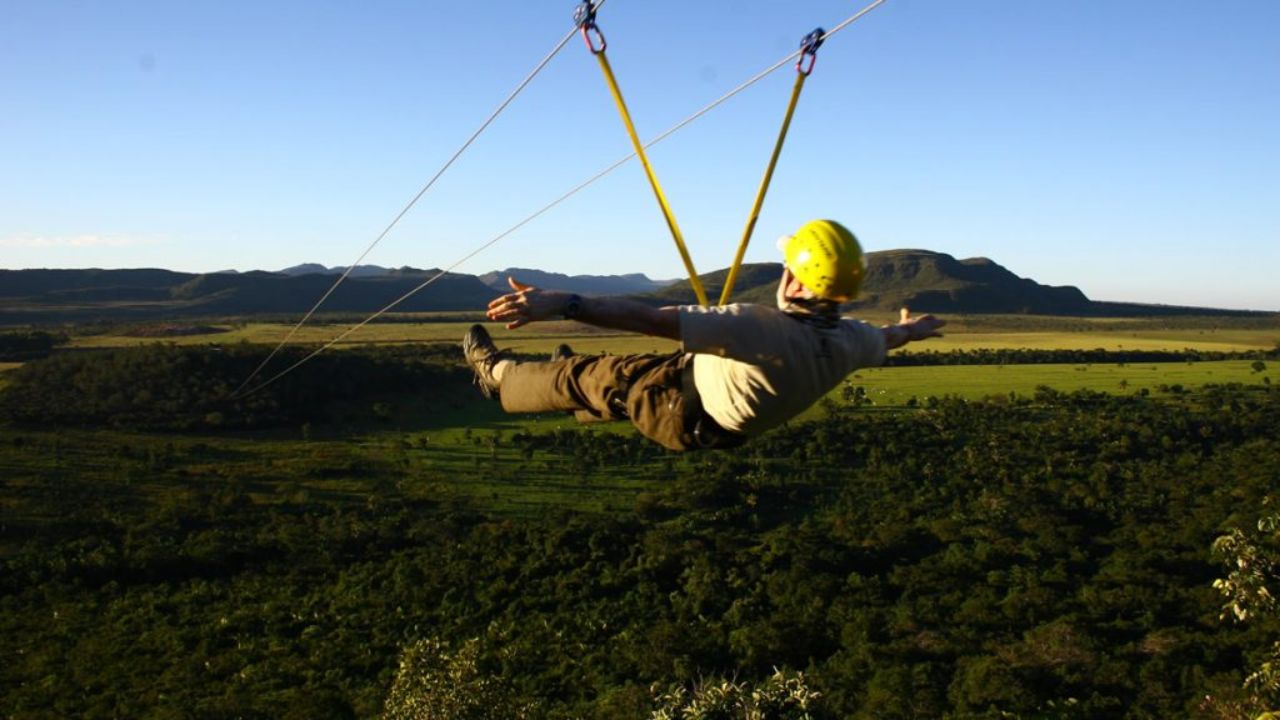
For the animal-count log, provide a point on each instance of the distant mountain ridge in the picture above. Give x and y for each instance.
(629, 284)
(594, 285)
(920, 279)
(923, 280)
(30, 296)
(937, 282)
(928, 281)
(357, 271)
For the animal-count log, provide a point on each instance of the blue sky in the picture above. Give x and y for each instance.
(1127, 147)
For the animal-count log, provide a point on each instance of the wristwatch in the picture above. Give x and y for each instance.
(572, 307)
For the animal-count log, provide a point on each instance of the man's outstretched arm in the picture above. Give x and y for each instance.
(530, 304)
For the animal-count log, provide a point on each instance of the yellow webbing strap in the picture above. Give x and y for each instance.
(764, 188)
(653, 179)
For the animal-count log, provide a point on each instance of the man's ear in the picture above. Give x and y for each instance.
(795, 288)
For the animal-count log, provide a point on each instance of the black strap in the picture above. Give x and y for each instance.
(706, 432)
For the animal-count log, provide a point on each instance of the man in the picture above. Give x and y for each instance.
(743, 368)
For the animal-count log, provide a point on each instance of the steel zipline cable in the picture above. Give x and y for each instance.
(549, 206)
(414, 201)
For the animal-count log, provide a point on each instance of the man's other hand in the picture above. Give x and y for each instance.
(911, 329)
(922, 327)
(527, 304)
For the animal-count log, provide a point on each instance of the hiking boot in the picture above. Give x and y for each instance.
(481, 354)
(562, 352)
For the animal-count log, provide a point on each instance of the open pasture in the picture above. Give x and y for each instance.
(477, 436)
(885, 387)
(965, 332)
(270, 333)
(1174, 340)
(895, 386)
(535, 339)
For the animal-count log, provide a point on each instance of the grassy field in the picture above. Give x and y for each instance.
(1219, 341)
(538, 338)
(462, 450)
(973, 332)
(459, 443)
(897, 385)
(894, 387)
(455, 451)
(466, 454)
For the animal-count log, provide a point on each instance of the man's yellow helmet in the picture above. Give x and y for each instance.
(827, 258)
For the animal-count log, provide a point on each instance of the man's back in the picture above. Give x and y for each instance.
(757, 367)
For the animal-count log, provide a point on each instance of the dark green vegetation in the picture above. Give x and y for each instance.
(164, 387)
(1043, 556)
(22, 345)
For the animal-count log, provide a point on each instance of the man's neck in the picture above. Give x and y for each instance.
(815, 311)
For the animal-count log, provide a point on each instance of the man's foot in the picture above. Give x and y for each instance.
(482, 355)
(562, 352)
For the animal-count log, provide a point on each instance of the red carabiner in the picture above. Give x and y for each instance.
(587, 30)
(800, 66)
(585, 18)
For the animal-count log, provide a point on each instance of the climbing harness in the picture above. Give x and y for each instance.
(805, 57)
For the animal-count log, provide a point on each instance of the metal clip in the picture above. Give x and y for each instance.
(809, 51)
(584, 16)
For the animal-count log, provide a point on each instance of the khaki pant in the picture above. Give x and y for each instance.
(644, 388)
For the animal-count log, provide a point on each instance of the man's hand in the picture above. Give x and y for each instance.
(920, 328)
(911, 329)
(527, 304)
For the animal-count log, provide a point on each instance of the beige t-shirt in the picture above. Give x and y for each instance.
(757, 368)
